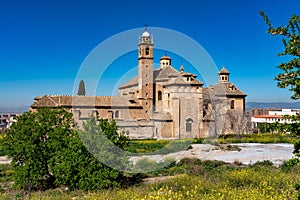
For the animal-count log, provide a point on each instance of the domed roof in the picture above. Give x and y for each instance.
(146, 34)
(165, 58)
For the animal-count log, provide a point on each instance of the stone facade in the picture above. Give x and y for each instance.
(159, 103)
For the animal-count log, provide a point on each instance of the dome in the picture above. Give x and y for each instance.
(146, 34)
(165, 58)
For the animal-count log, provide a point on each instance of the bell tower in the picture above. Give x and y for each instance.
(145, 74)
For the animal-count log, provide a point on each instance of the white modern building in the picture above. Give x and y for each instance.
(274, 116)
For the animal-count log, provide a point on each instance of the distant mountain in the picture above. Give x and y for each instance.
(13, 109)
(293, 105)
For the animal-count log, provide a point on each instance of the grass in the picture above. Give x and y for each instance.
(194, 179)
(258, 138)
(157, 146)
(167, 146)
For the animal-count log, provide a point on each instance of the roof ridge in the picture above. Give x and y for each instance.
(52, 100)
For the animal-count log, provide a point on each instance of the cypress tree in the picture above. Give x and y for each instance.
(81, 88)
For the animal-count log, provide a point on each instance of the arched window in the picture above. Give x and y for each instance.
(188, 125)
(147, 50)
(159, 95)
(232, 104)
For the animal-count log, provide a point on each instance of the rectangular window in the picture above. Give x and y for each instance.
(117, 114)
(232, 104)
(188, 127)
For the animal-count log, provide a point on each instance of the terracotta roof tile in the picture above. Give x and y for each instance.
(165, 57)
(224, 71)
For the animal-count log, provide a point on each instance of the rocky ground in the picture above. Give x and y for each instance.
(246, 153)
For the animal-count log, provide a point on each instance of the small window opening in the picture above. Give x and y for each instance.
(159, 95)
(117, 114)
(232, 104)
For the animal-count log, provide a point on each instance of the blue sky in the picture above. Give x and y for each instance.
(43, 43)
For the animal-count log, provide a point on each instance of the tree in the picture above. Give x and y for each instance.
(103, 141)
(47, 151)
(238, 121)
(105, 159)
(32, 141)
(215, 113)
(81, 88)
(290, 77)
(80, 165)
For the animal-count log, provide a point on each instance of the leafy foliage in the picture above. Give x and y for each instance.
(32, 141)
(104, 142)
(47, 152)
(290, 77)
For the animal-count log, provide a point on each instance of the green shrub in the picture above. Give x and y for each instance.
(263, 163)
(289, 164)
(146, 165)
(198, 140)
(146, 146)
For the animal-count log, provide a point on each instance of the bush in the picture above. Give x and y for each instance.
(288, 165)
(263, 163)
